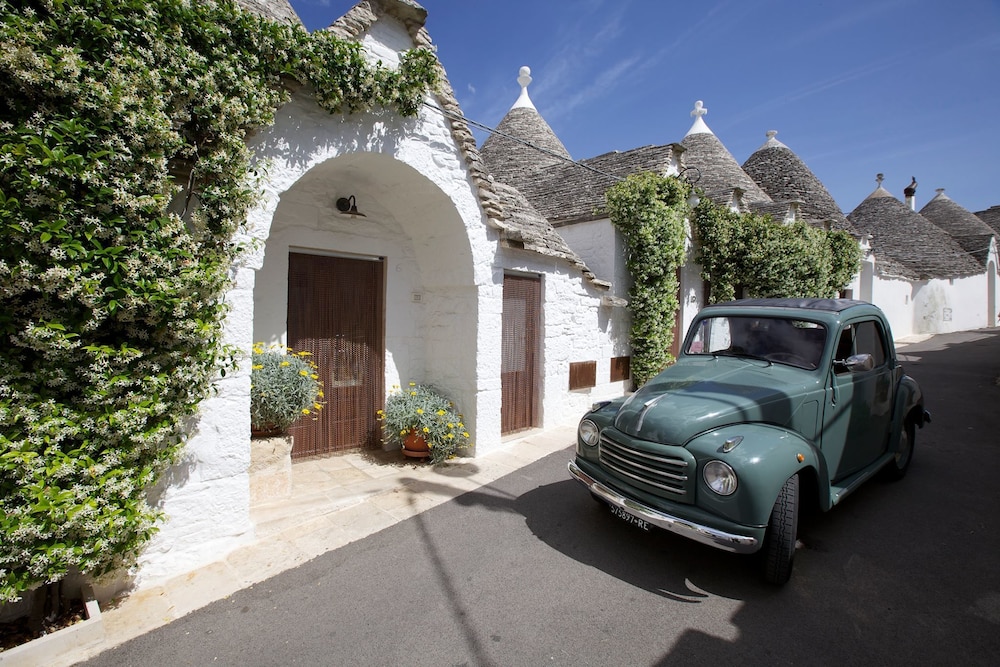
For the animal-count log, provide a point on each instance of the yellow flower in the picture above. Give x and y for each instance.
(426, 430)
(413, 393)
(286, 363)
(465, 434)
(305, 411)
(420, 411)
(450, 425)
(461, 425)
(440, 412)
(413, 384)
(450, 436)
(304, 373)
(257, 367)
(403, 432)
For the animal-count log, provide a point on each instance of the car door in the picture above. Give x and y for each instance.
(858, 413)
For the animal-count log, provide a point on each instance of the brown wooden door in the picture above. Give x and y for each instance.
(335, 312)
(519, 376)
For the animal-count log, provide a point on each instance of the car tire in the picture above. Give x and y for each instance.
(896, 468)
(779, 541)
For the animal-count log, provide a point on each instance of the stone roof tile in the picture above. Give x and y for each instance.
(574, 192)
(991, 217)
(720, 172)
(972, 233)
(903, 237)
(786, 178)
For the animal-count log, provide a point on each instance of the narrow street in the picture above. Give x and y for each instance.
(528, 570)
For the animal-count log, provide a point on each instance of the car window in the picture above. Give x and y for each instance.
(783, 340)
(869, 340)
(862, 338)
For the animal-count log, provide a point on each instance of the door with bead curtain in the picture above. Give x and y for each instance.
(335, 312)
(519, 374)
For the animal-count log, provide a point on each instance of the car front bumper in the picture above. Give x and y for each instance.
(727, 541)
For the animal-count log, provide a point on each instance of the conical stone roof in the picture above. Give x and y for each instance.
(523, 144)
(950, 216)
(786, 178)
(720, 172)
(974, 235)
(991, 217)
(920, 249)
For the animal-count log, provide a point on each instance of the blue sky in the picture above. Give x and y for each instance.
(902, 87)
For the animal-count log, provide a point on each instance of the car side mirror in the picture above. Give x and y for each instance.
(857, 363)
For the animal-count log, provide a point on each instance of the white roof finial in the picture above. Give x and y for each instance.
(772, 142)
(524, 78)
(699, 126)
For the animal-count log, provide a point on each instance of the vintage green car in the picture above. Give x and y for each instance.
(771, 403)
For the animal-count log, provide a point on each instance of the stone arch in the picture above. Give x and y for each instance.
(432, 301)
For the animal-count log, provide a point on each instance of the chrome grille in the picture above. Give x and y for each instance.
(661, 471)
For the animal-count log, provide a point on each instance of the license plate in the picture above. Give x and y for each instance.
(628, 518)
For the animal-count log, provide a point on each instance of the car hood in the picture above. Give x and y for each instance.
(695, 396)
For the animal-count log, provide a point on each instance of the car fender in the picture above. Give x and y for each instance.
(909, 405)
(764, 458)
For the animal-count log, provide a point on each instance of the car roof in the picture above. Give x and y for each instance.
(827, 305)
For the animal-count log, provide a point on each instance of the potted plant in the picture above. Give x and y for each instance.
(284, 387)
(423, 423)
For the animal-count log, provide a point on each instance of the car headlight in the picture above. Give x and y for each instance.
(589, 432)
(720, 478)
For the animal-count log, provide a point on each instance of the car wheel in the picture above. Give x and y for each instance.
(779, 541)
(897, 467)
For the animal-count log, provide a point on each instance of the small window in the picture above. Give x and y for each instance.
(582, 374)
(621, 368)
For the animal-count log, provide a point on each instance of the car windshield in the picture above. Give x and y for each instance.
(777, 339)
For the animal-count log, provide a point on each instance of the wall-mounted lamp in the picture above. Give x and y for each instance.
(348, 206)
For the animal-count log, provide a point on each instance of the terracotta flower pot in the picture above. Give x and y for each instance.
(415, 446)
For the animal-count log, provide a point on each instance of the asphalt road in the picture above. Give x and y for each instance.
(530, 571)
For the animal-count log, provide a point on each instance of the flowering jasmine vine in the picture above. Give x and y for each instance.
(111, 326)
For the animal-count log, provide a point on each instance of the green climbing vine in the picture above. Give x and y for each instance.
(649, 211)
(111, 326)
(740, 253)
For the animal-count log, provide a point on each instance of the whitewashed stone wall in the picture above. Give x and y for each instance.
(943, 306)
(423, 216)
(575, 327)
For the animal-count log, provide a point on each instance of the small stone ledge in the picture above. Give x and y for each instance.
(63, 647)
